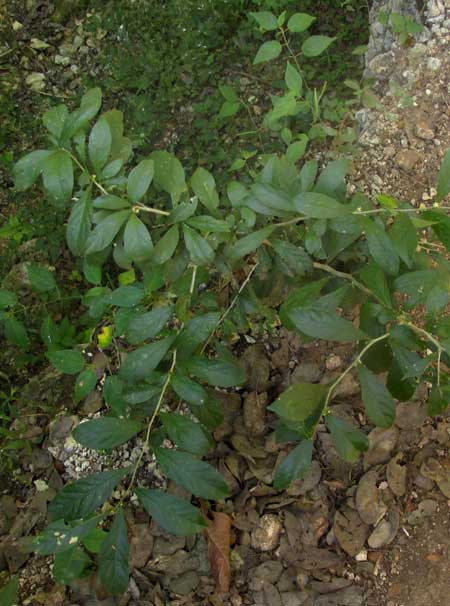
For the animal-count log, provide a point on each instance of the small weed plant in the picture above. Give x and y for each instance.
(159, 250)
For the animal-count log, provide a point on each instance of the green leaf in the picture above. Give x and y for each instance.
(331, 180)
(249, 244)
(438, 400)
(443, 187)
(188, 390)
(228, 92)
(126, 296)
(113, 559)
(139, 180)
(90, 104)
(172, 514)
(85, 383)
(169, 173)
(99, 146)
(68, 361)
(204, 187)
(206, 223)
(230, 108)
(80, 499)
(404, 238)
(419, 284)
(69, 565)
(308, 175)
(295, 466)
(106, 433)
(295, 257)
(379, 403)
(58, 536)
(9, 594)
(349, 442)
(187, 434)
(316, 45)
(16, 332)
(110, 202)
(375, 280)
(57, 174)
(41, 278)
(324, 325)
(139, 363)
(268, 51)
(299, 22)
(319, 206)
(381, 248)
(195, 333)
(297, 149)
(137, 240)
(293, 78)
(94, 540)
(266, 20)
(200, 251)
(200, 478)
(114, 396)
(301, 406)
(7, 298)
(166, 246)
(27, 170)
(440, 225)
(79, 224)
(54, 120)
(400, 388)
(147, 325)
(219, 372)
(105, 231)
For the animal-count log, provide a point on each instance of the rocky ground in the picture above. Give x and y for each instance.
(375, 534)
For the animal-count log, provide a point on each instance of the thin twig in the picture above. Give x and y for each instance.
(149, 209)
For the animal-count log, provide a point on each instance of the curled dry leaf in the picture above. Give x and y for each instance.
(219, 539)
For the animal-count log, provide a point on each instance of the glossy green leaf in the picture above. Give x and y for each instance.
(206, 223)
(57, 174)
(166, 246)
(69, 565)
(106, 432)
(316, 45)
(375, 280)
(126, 296)
(299, 22)
(139, 180)
(113, 560)
(105, 231)
(319, 206)
(301, 405)
(79, 224)
(249, 244)
(200, 251)
(141, 362)
(172, 514)
(381, 248)
(15, 332)
(195, 333)
(295, 466)
(198, 477)
(147, 325)
(111, 202)
(85, 383)
(443, 188)
(380, 405)
(99, 146)
(324, 325)
(90, 104)
(27, 170)
(293, 78)
(169, 173)
(404, 238)
(266, 20)
(137, 240)
(68, 361)
(219, 372)
(204, 187)
(82, 498)
(268, 51)
(188, 390)
(349, 442)
(187, 434)
(9, 594)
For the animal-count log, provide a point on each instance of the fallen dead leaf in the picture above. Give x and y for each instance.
(219, 539)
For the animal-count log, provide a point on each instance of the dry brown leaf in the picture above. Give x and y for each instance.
(219, 540)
